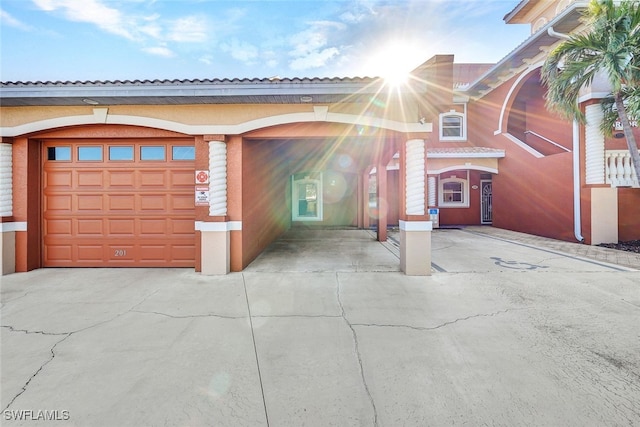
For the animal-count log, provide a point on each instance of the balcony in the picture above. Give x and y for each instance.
(619, 171)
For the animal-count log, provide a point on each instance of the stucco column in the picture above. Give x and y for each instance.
(415, 228)
(7, 229)
(366, 213)
(382, 201)
(215, 244)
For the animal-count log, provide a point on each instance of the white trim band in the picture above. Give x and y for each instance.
(6, 227)
(218, 226)
(416, 225)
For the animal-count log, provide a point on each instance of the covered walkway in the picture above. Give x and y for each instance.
(319, 250)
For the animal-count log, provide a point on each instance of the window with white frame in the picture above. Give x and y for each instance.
(454, 192)
(307, 197)
(452, 126)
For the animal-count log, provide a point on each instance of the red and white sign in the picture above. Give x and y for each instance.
(202, 177)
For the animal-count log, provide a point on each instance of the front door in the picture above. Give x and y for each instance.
(485, 202)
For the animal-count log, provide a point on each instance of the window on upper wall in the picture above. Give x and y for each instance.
(454, 192)
(452, 126)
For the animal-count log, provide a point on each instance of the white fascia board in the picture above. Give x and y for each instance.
(493, 155)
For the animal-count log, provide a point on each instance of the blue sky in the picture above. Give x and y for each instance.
(197, 39)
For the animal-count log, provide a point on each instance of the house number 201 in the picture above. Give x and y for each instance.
(120, 252)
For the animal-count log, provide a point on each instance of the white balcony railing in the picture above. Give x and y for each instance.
(619, 171)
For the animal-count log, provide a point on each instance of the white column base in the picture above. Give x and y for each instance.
(415, 247)
(215, 252)
(604, 215)
(8, 245)
(8, 252)
(215, 246)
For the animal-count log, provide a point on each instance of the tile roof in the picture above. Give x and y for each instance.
(272, 90)
(166, 82)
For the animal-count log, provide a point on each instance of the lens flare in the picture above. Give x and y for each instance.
(335, 188)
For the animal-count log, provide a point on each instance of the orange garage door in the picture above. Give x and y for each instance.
(119, 204)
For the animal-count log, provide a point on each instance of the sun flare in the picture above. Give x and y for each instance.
(393, 62)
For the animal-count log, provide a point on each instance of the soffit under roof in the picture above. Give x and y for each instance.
(566, 22)
(176, 92)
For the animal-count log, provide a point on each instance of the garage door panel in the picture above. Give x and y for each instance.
(153, 252)
(153, 178)
(90, 178)
(182, 178)
(90, 202)
(125, 202)
(153, 202)
(59, 178)
(90, 227)
(121, 179)
(182, 202)
(121, 253)
(183, 252)
(60, 227)
(182, 226)
(90, 252)
(153, 226)
(59, 252)
(59, 202)
(105, 213)
(121, 227)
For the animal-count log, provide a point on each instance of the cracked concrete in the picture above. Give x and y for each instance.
(344, 348)
(357, 352)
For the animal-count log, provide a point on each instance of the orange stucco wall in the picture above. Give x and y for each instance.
(266, 212)
(535, 195)
(628, 214)
(531, 195)
(463, 216)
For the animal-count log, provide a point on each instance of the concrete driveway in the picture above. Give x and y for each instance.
(478, 343)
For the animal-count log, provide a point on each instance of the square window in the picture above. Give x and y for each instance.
(454, 192)
(183, 152)
(59, 153)
(120, 153)
(89, 154)
(152, 153)
(452, 126)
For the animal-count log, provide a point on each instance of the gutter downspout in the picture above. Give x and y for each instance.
(577, 217)
(557, 35)
(577, 213)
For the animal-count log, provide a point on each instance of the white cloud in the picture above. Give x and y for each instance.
(242, 51)
(7, 19)
(162, 51)
(206, 59)
(91, 11)
(315, 59)
(311, 48)
(191, 29)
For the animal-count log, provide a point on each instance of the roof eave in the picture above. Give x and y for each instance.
(185, 92)
(509, 17)
(570, 16)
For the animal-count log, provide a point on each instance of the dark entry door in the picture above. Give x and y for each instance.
(486, 202)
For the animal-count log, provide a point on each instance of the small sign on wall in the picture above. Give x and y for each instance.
(202, 177)
(202, 196)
